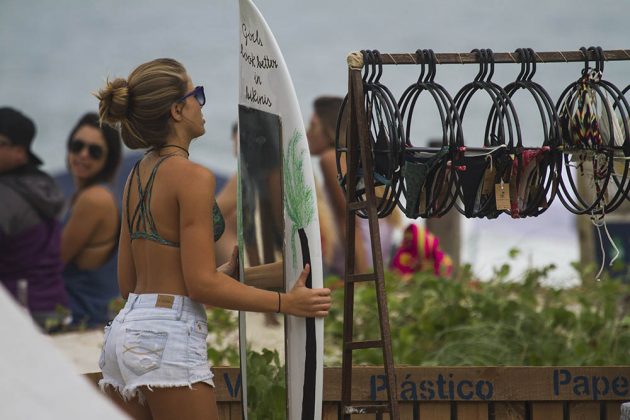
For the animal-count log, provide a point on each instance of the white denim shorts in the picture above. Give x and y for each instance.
(156, 340)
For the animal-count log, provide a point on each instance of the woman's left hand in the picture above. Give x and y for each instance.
(231, 267)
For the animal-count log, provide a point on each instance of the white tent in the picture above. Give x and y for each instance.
(36, 380)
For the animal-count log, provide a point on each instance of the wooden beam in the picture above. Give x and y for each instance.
(355, 59)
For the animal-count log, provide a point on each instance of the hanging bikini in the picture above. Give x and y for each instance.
(594, 142)
(486, 171)
(429, 184)
(385, 134)
(596, 145)
(535, 170)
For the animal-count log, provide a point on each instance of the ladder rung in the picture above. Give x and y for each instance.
(366, 409)
(355, 278)
(357, 205)
(369, 344)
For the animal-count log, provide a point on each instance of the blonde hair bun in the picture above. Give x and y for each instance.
(140, 105)
(114, 101)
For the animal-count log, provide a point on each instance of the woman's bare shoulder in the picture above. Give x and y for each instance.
(189, 174)
(95, 195)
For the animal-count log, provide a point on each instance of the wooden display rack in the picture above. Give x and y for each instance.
(358, 141)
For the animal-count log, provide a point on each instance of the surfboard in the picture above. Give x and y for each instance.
(277, 208)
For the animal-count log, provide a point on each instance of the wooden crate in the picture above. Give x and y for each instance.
(466, 393)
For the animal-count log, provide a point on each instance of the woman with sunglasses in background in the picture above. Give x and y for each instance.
(92, 223)
(155, 350)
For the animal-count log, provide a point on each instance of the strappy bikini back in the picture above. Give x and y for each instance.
(141, 224)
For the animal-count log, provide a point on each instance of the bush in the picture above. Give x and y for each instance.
(503, 321)
(223, 333)
(465, 322)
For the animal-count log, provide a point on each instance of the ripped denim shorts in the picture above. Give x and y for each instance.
(156, 340)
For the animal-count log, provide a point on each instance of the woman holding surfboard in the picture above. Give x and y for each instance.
(155, 349)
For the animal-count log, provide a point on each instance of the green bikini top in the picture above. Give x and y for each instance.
(141, 224)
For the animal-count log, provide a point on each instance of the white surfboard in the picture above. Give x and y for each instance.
(270, 119)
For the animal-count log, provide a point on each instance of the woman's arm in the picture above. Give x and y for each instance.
(266, 276)
(126, 266)
(207, 285)
(89, 210)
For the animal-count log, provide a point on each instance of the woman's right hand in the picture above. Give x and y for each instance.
(304, 302)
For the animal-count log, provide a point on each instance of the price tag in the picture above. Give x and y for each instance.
(502, 196)
(488, 181)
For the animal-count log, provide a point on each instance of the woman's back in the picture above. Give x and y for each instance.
(154, 232)
(94, 210)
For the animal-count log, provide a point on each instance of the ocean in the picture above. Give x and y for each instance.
(56, 54)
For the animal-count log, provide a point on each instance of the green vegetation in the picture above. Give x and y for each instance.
(466, 322)
(502, 321)
(265, 385)
(223, 325)
(460, 322)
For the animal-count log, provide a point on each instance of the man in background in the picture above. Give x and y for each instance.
(30, 231)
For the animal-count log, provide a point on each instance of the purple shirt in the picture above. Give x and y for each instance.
(30, 238)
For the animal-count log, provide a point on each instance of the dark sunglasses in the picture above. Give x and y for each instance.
(198, 93)
(95, 151)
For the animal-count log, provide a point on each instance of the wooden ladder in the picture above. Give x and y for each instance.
(358, 137)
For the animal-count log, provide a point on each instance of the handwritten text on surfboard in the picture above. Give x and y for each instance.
(251, 40)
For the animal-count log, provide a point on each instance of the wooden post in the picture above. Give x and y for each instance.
(358, 141)
(585, 229)
(348, 308)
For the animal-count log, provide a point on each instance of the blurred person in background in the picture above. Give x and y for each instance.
(92, 223)
(321, 141)
(419, 251)
(30, 231)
